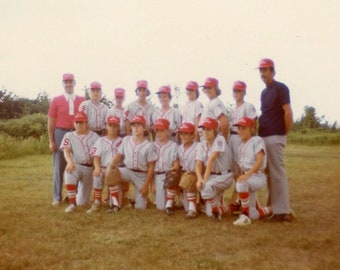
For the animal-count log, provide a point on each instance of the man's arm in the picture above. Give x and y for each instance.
(224, 125)
(50, 130)
(288, 117)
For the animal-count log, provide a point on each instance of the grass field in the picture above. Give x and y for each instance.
(36, 235)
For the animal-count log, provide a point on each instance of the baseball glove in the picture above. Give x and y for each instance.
(188, 181)
(112, 176)
(172, 178)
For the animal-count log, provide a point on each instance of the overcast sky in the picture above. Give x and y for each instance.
(172, 42)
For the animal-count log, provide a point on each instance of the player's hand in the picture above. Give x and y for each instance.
(243, 177)
(144, 190)
(70, 167)
(200, 183)
(96, 172)
(52, 146)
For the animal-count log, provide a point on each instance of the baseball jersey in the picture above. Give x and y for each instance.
(167, 154)
(190, 111)
(96, 113)
(187, 157)
(223, 161)
(121, 114)
(137, 156)
(246, 109)
(59, 109)
(248, 151)
(172, 115)
(80, 145)
(214, 108)
(106, 149)
(135, 108)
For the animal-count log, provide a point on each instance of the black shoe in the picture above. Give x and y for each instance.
(216, 216)
(169, 211)
(280, 218)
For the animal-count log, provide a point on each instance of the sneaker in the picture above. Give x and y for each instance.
(71, 208)
(191, 214)
(242, 220)
(216, 216)
(169, 211)
(56, 203)
(94, 208)
(113, 209)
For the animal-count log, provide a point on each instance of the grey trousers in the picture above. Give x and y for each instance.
(277, 179)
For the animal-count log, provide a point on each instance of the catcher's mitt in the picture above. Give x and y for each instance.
(172, 178)
(188, 181)
(112, 176)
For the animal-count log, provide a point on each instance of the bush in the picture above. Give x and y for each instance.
(314, 137)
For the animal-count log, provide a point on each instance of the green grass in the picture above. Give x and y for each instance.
(35, 235)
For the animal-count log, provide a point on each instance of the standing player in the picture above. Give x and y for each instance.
(274, 124)
(213, 163)
(139, 157)
(240, 109)
(167, 160)
(95, 110)
(186, 155)
(252, 162)
(77, 147)
(192, 110)
(167, 112)
(104, 150)
(215, 107)
(119, 111)
(140, 106)
(60, 121)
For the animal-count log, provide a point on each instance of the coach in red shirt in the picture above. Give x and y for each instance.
(60, 121)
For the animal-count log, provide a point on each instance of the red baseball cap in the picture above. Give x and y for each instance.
(210, 82)
(187, 128)
(96, 85)
(80, 117)
(239, 85)
(164, 89)
(119, 92)
(68, 77)
(266, 62)
(162, 124)
(245, 122)
(113, 120)
(143, 84)
(210, 123)
(192, 85)
(138, 119)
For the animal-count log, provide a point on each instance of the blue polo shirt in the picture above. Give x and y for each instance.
(271, 121)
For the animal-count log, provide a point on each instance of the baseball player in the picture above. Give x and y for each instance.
(119, 111)
(94, 109)
(186, 155)
(139, 157)
(215, 107)
(252, 160)
(103, 151)
(240, 109)
(192, 110)
(167, 112)
(60, 121)
(167, 160)
(141, 106)
(213, 163)
(77, 146)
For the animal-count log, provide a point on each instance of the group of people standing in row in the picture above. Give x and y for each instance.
(214, 144)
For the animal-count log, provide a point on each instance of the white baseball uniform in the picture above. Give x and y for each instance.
(214, 109)
(173, 116)
(136, 159)
(81, 146)
(96, 113)
(247, 159)
(221, 176)
(190, 111)
(167, 154)
(146, 110)
(121, 114)
(248, 110)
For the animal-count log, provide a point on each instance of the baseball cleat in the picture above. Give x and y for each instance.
(169, 211)
(191, 214)
(216, 216)
(113, 209)
(94, 208)
(242, 220)
(280, 218)
(71, 208)
(56, 203)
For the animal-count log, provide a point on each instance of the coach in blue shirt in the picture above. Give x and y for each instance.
(274, 124)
